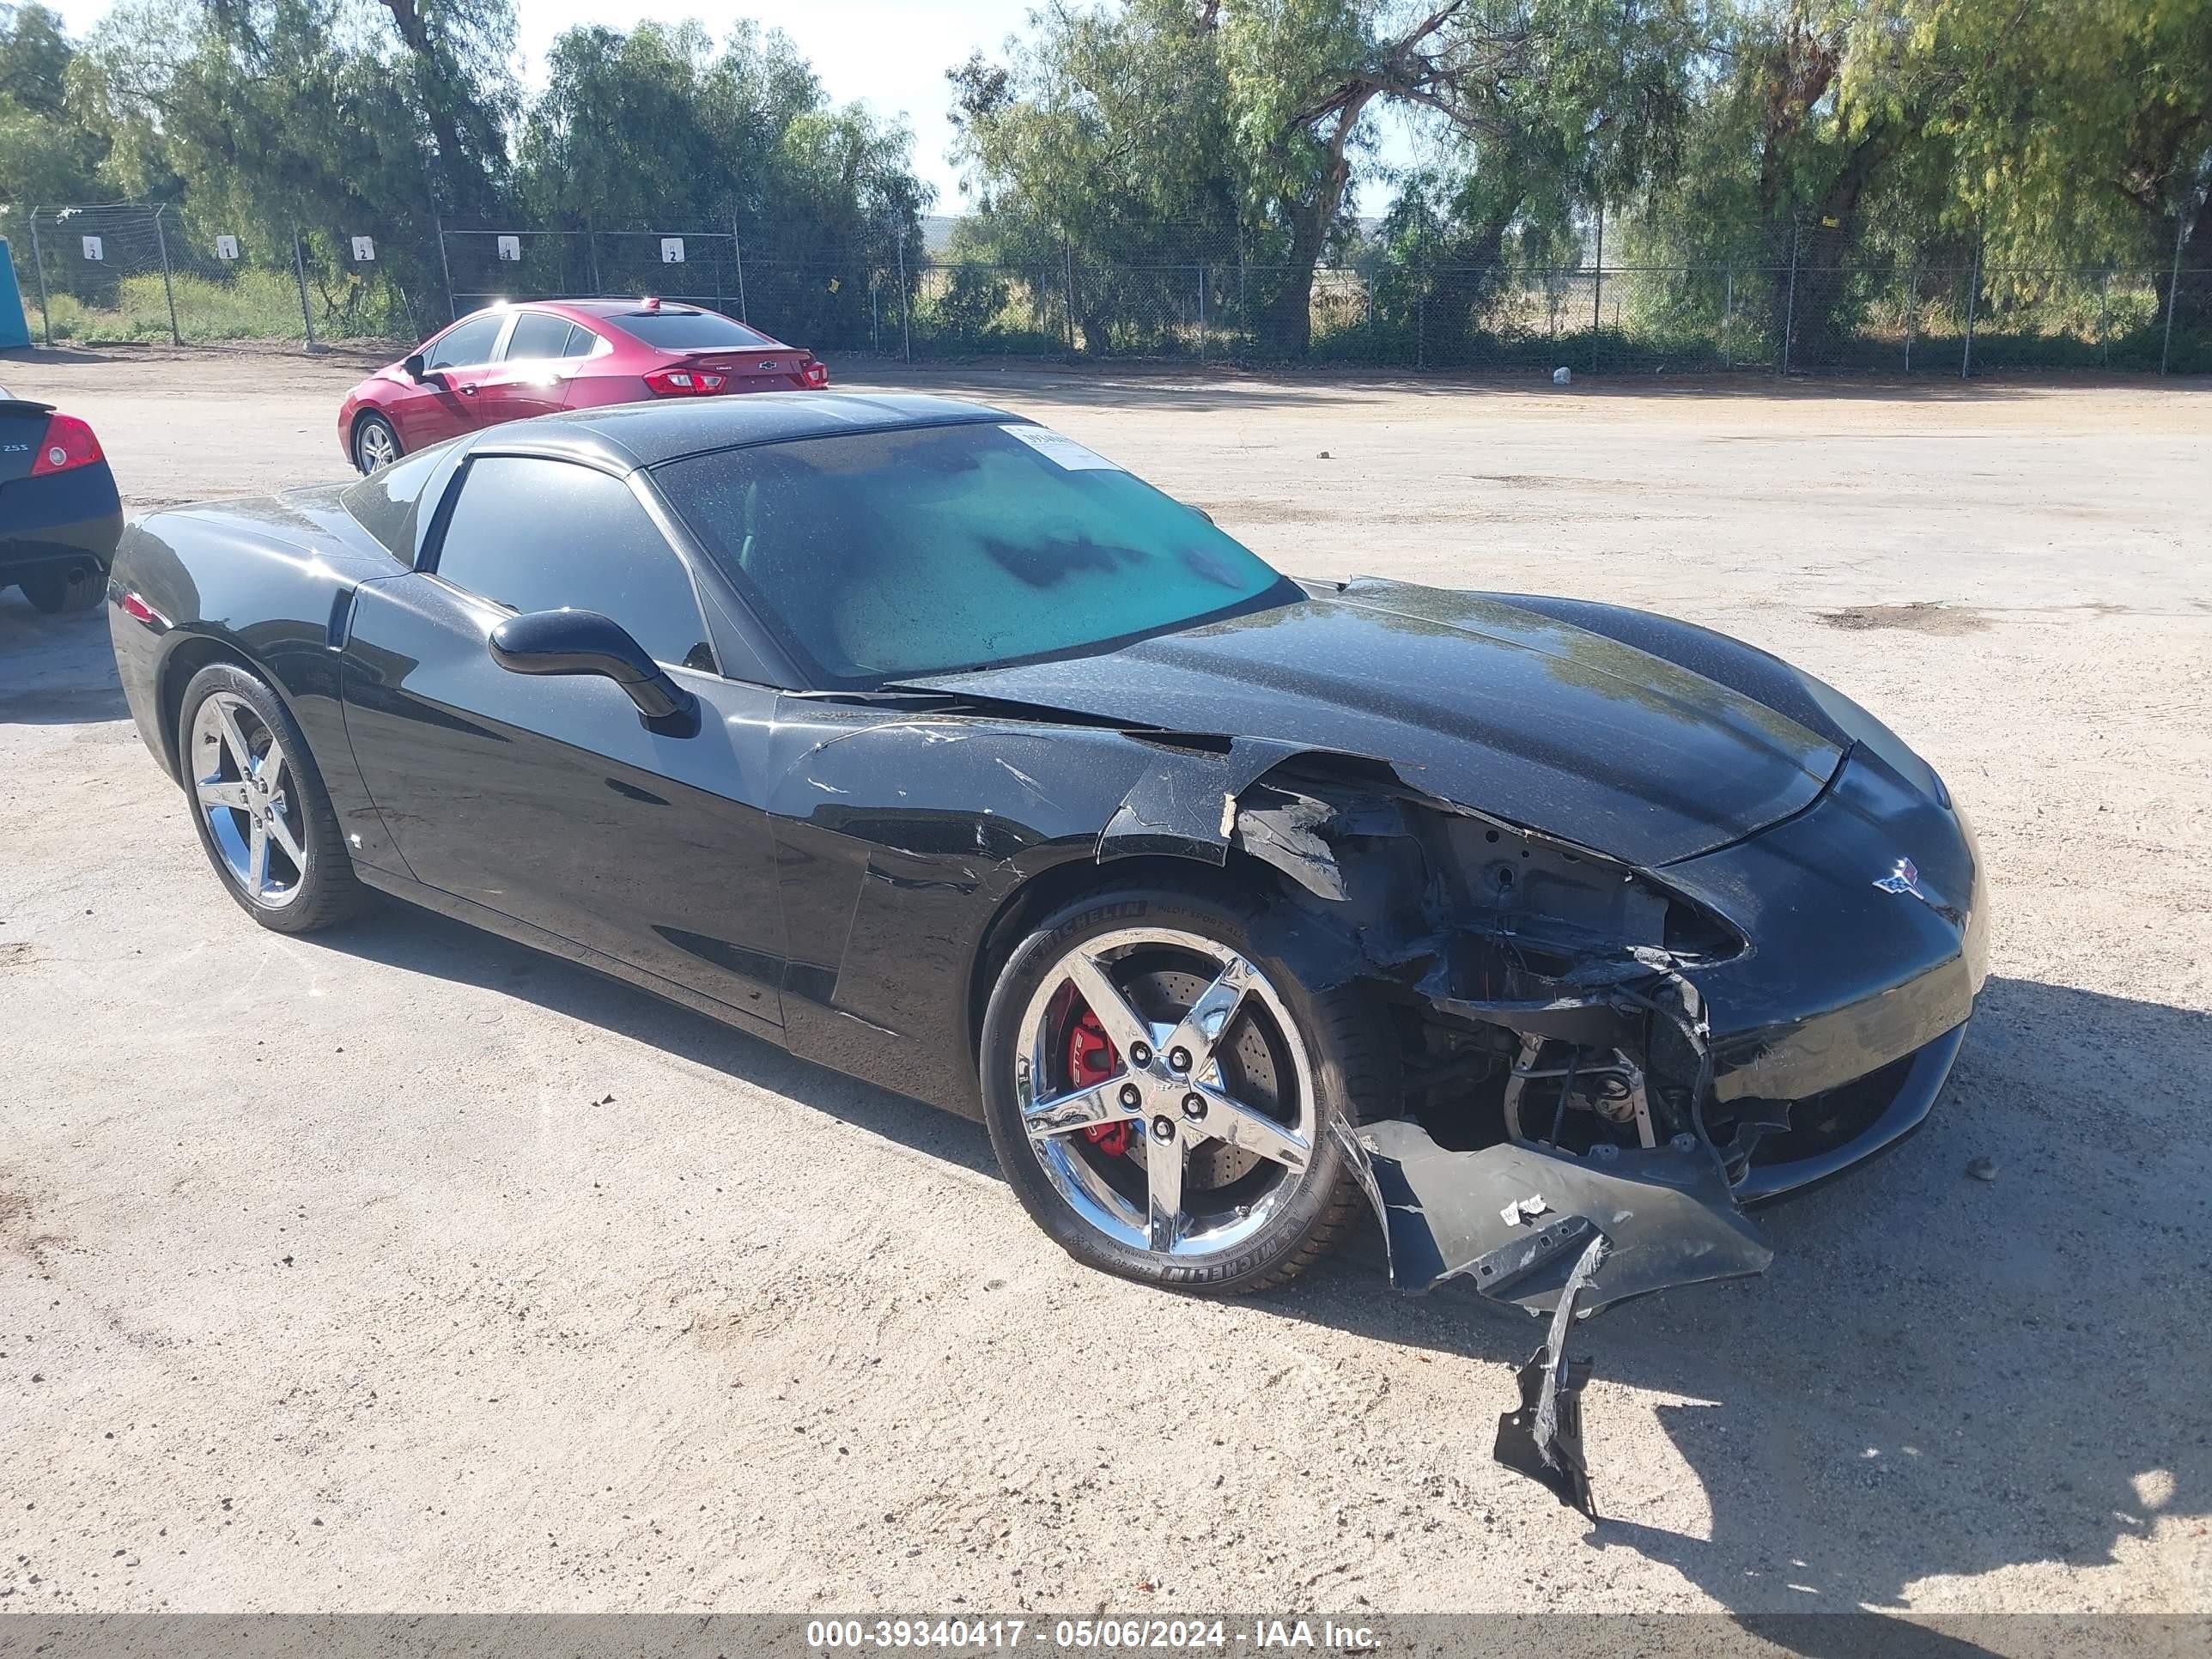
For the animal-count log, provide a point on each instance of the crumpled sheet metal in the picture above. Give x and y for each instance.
(1186, 804)
(1665, 1215)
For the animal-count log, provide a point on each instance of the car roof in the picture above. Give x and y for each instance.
(633, 303)
(615, 309)
(631, 435)
(588, 310)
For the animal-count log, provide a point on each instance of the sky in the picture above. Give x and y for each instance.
(890, 54)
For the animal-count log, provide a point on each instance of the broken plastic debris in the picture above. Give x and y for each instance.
(1543, 1439)
(1523, 1209)
(1563, 377)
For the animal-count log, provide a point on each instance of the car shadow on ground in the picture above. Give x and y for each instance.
(1936, 1380)
(56, 671)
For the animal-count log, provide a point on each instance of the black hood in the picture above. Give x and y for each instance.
(1481, 703)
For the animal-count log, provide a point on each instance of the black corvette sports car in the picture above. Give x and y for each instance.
(921, 739)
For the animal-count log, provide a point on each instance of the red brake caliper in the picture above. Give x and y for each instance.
(1090, 1059)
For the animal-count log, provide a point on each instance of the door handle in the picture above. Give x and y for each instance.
(468, 390)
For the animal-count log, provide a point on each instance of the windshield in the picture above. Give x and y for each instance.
(884, 556)
(690, 331)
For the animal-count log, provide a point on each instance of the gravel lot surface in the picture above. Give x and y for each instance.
(402, 1268)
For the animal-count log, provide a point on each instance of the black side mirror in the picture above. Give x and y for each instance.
(412, 368)
(585, 642)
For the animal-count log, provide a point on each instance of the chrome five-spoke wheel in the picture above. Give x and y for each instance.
(376, 447)
(246, 789)
(1166, 1091)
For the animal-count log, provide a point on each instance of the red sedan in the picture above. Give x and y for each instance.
(511, 362)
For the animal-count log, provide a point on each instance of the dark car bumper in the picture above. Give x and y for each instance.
(1868, 919)
(1896, 1105)
(1831, 1035)
(58, 520)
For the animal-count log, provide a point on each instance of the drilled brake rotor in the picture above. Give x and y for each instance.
(1247, 1068)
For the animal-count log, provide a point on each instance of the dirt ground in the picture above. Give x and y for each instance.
(403, 1268)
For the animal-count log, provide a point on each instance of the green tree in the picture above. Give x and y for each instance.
(656, 129)
(1254, 116)
(2083, 128)
(47, 154)
(1107, 132)
(334, 118)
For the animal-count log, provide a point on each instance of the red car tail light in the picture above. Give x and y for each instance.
(69, 442)
(817, 374)
(685, 382)
(138, 610)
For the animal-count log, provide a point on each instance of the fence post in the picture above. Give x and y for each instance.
(300, 271)
(2104, 319)
(906, 305)
(1911, 312)
(1201, 314)
(445, 264)
(168, 292)
(1728, 319)
(1790, 309)
(1067, 277)
(2174, 288)
(875, 316)
(45, 321)
(1597, 285)
(592, 247)
(738, 257)
(1421, 319)
(1973, 301)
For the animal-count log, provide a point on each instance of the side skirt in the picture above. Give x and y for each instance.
(539, 938)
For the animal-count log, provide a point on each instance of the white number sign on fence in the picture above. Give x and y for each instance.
(364, 249)
(671, 250)
(94, 250)
(226, 248)
(510, 249)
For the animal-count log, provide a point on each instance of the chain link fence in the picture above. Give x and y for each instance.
(145, 272)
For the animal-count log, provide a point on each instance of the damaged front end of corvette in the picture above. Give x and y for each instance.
(1582, 1122)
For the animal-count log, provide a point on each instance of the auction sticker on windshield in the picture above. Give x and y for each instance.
(1066, 451)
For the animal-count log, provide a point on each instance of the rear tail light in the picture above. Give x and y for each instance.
(685, 382)
(136, 608)
(817, 374)
(68, 443)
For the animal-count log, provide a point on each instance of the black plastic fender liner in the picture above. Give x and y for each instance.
(1514, 1220)
(1543, 1437)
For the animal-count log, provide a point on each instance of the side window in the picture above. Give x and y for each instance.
(537, 336)
(582, 343)
(383, 503)
(539, 535)
(468, 344)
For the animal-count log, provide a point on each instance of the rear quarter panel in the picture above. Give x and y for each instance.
(263, 583)
(598, 391)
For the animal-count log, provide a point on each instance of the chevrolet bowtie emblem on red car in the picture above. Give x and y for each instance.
(768, 369)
